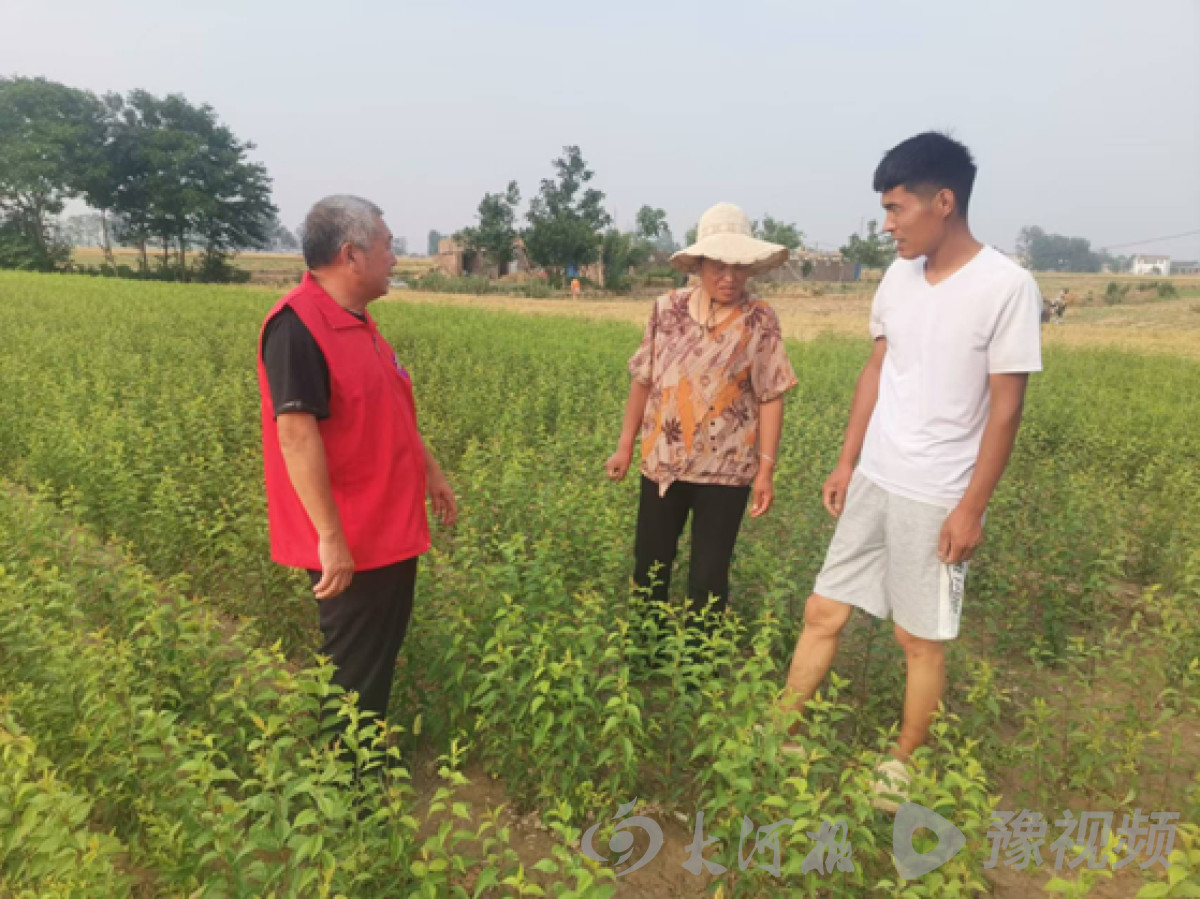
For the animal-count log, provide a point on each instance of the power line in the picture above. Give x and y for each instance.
(1134, 243)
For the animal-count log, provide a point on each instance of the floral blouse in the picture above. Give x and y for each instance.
(701, 421)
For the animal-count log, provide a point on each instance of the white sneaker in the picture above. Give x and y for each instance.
(891, 784)
(795, 748)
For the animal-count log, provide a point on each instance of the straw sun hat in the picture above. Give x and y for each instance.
(724, 235)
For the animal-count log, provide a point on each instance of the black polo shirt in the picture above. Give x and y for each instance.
(297, 373)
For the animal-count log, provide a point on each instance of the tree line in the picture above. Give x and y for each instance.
(164, 176)
(567, 228)
(1044, 252)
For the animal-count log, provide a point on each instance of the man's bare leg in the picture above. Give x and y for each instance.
(926, 683)
(818, 643)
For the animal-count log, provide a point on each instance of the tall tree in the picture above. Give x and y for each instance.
(184, 179)
(566, 218)
(621, 252)
(651, 223)
(1044, 252)
(282, 240)
(783, 233)
(496, 231)
(82, 230)
(652, 227)
(1114, 263)
(49, 137)
(134, 124)
(876, 250)
(232, 208)
(100, 179)
(164, 169)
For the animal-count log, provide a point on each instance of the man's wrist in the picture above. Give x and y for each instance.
(973, 506)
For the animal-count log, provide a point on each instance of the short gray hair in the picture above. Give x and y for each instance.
(334, 221)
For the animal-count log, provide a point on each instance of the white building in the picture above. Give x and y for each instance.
(1151, 265)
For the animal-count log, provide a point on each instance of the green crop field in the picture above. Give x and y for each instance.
(159, 697)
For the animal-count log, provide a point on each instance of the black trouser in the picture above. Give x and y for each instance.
(364, 628)
(716, 511)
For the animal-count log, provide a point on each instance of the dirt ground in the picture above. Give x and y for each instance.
(665, 877)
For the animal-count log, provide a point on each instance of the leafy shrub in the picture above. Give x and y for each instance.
(46, 846)
(536, 289)
(204, 754)
(435, 281)
(1115, 293)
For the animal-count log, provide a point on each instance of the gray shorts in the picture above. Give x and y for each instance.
(883, 559)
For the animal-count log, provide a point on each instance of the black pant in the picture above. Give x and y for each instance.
(716, 511)
(364, 628)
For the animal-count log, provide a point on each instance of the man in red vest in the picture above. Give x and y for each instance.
(347, 472)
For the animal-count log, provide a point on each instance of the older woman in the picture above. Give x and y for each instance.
(707, 396)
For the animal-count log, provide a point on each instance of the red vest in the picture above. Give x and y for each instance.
(372, 447)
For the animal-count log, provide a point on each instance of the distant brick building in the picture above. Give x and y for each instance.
(813, 265)
(455, 260)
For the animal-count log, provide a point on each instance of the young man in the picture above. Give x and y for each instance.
(933, 421)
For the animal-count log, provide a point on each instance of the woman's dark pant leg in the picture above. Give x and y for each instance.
(660, 522)
(717, 512)
(364, 628)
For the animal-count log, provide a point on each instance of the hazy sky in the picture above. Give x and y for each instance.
(1084, 117)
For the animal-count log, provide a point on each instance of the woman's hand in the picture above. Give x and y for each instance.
(763, 491)
(618, 463)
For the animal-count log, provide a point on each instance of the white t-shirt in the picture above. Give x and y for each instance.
(943, 341)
